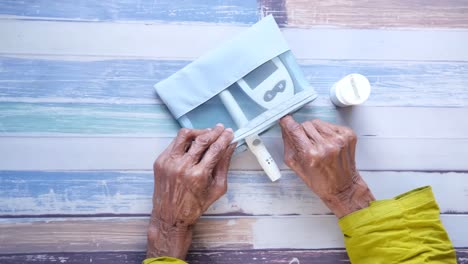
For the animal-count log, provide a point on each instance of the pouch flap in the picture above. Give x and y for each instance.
(210, 74)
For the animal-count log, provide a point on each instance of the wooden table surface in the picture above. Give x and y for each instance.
(80, 123)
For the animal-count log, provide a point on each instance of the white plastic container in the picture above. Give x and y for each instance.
(353, 89)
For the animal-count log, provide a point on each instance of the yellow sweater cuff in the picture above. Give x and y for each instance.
(163, 260)
(405, 229)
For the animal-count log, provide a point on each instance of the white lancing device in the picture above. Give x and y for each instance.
(268, 85)
(254, 142)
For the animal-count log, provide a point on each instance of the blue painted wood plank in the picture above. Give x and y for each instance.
(120, 81)
(213, 11)
(124, 119)
(78, 118)
(38, 193)
(30, 193)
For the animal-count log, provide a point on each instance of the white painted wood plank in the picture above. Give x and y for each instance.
(405, 122)
(106, 193)
(121, 153)
(129, 234)
(169, 41)
(323, 232)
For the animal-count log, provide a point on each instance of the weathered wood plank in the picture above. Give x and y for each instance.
(129, 234)
(213, 11)
(202, 257)
(368, 14)
(414, 14)
(167, 41)
(137, 120)
(130, 193)
(298, 256)
(131, 81)
(77, 118)
(125, 153)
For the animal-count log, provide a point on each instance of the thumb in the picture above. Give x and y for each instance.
(219, 184)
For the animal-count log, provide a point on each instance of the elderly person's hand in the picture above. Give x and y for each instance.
(188, 177)
(322, 154)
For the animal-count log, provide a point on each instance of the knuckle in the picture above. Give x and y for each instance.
(289, 161)
(157, 164)
(321, 154)
(340, 141)
(202, 140)
(332, 149)
(160, 163)
(349, 134)
(227, 136)
(174, 170)
(199, 172)
(316, 121)
(216, 147)
(293, 127)
(173, 156)
(195, 177)
(223, 188)
(183, 132)
(312, 154)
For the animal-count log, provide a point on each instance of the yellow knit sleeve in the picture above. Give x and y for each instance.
(163, 260)
(405, 229)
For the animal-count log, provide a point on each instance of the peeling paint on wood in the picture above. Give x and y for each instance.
(293, 13)
(194, 257)
(130, 193)
(68, 103)
(121, 81)
(129, 234)
(139, 120)
(332, 256)
(138, 153)
(211, 11)
(187, 42)
(368, 14)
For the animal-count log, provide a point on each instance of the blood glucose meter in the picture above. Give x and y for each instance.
(269, 84)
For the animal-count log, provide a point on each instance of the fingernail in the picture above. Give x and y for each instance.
(209, 129)
(219, 125)
(229, 130)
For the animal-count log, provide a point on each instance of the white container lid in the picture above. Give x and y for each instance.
(353, 89)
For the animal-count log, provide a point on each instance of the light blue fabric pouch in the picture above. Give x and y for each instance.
(257, 68)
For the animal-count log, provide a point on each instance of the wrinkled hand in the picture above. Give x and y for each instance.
(323, 155)
(188, 177)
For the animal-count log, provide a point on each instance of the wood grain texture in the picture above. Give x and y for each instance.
(331, 256)
(120, 81)
(126, 153)
(295, 13)
(368, 14)
(139, 120)
(129, 234)
(212, 11)
(69, 40)
(107, 193)
(78, 96)
(194, 257)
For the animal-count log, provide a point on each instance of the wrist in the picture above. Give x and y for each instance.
(165, 239)
(354, 198)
